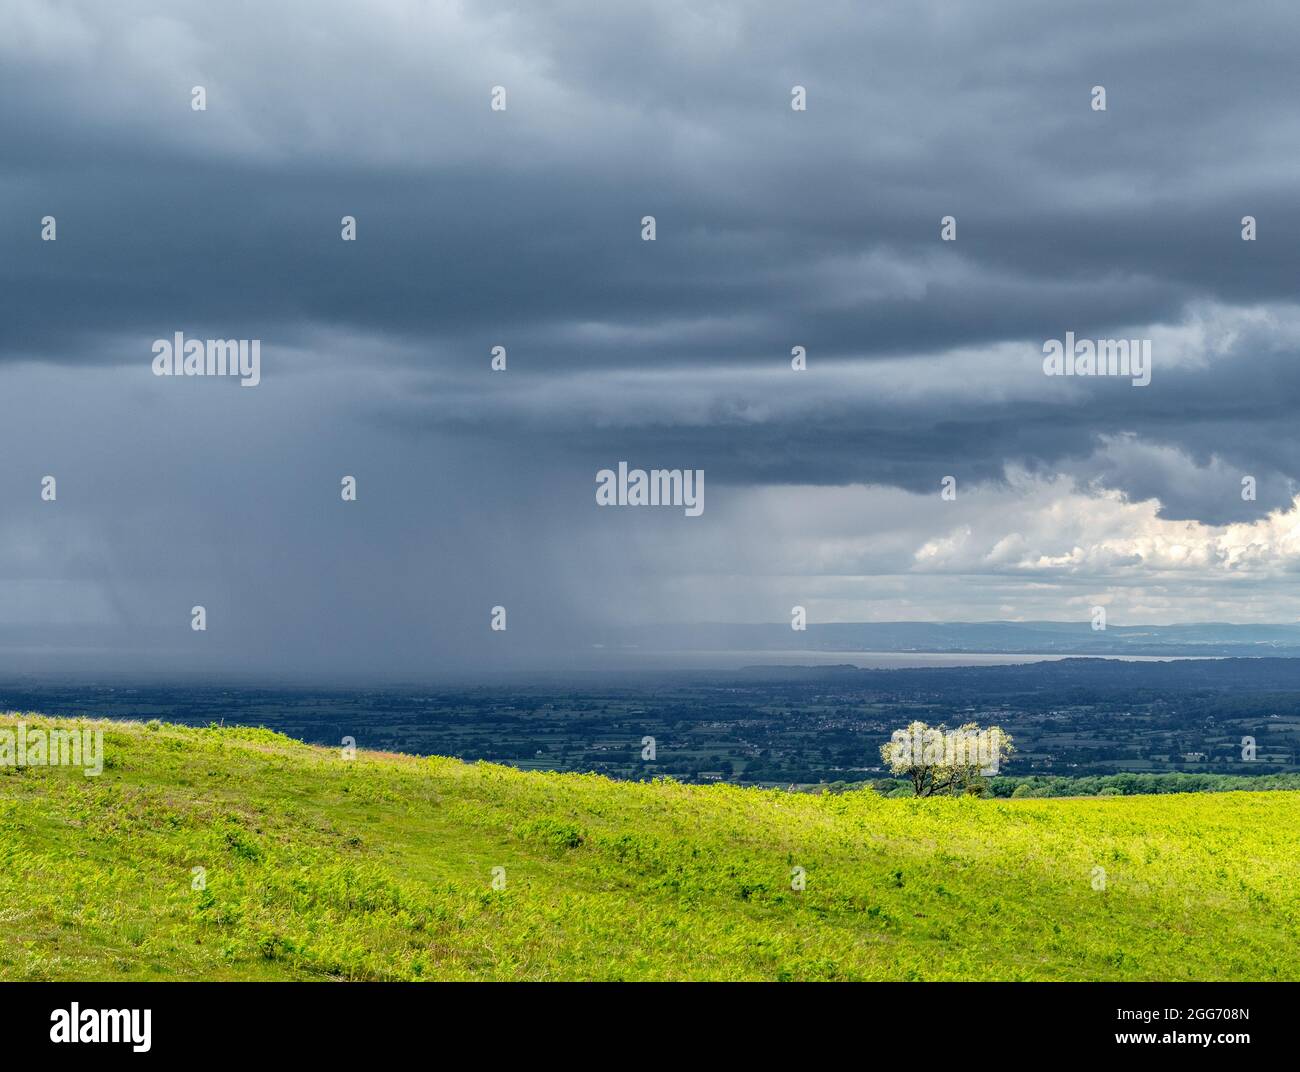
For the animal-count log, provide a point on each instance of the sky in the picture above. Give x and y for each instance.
(522, 227)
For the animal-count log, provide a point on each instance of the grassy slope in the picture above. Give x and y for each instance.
(380, 868)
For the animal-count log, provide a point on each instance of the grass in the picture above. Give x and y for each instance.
(381, 867)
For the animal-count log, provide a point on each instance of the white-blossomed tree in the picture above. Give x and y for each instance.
(943, 762)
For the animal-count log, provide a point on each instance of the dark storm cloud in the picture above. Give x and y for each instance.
(530, 227)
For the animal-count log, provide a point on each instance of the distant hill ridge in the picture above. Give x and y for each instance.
(1029, 638)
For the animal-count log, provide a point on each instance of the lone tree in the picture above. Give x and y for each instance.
(939, 761)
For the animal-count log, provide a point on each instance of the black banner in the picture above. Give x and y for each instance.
(329, 1021)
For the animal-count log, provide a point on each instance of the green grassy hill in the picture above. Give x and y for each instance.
(381, 868)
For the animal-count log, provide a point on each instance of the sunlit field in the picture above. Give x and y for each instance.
(316, 866)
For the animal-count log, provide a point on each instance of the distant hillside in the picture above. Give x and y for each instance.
(381, 867)
(1055, 677)
(1025, 638)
